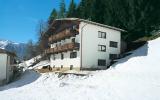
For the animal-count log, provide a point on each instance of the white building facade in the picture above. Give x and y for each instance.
(6, 68)
(83, 45)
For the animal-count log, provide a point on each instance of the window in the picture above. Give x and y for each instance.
(113, 56)
(101, 62)
(54, 57)
(61, 66)
(71, 67)
(102, 48)
(62, 56)
(73, 40)
(101, 34)
(73, 54)
(113, 44)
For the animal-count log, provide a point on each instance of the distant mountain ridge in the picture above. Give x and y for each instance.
(18, 48)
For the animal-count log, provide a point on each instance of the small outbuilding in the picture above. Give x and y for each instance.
(7, 66)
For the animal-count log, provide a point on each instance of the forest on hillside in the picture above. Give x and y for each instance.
(138, 17)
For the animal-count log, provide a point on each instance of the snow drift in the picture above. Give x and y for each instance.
(136, 77)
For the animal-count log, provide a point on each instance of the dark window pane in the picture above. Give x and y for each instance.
(101, 34)
(101, 62)
(113, 56)
(113, 44)
(62, 56)
(71, 67)
(73, 55)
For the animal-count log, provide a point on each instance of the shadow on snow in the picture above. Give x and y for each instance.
(27, 77)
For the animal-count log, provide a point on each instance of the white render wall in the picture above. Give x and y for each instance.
(67, 61)
(3, 66)
(90, 42)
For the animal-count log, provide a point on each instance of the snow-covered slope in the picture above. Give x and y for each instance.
(136, 77)
(19, 48)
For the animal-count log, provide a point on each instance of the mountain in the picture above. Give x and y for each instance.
(18, 48)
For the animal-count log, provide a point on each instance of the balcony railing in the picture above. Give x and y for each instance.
(62, 35)
(63, 48)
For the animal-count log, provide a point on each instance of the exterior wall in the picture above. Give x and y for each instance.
(10, 61)
(67, 61)
(90, 42)
(3, 60)
(6, 70)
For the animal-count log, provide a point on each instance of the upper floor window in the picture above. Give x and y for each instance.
(101, 62)
(73, 54)
(101, 34)
(113, 44)
(102, 48)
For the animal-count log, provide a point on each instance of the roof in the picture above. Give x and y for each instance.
(91, 22)
(7, 52)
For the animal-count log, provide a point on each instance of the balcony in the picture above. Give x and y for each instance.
(62, 35)
(63, 48)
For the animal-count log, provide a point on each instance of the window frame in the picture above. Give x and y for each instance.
(73, 55)
(100, 48)
(113, 56)
(100, 63)
(102, 34)
(62, 56)
(113, 44)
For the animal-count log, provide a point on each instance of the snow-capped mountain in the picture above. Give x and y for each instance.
(19, 48)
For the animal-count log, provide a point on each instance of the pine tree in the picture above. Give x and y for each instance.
(99, 8)
(72, 9)
(62, 12)
(53, 15)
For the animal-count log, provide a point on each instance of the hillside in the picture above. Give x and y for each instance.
(136, 77)
(19, 48)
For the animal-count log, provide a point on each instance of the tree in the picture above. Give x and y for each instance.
(53, 15)
(72, 9)
(42, 43)
(85, 9)
(62, 12)
(30, 52)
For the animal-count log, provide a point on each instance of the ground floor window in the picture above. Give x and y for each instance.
(73, 55)
(62, 56)
(113, 56)
(101, 62)
(71, 67)
(61, 66)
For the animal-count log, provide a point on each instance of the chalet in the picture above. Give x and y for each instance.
(82, 45)
(6, 66)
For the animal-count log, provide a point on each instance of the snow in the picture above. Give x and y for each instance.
(41, 64)
(31, 61)
(136, 77)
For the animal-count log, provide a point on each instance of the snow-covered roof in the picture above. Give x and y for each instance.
(7, 52)
(91, 22)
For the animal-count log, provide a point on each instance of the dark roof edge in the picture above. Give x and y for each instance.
(91, 22)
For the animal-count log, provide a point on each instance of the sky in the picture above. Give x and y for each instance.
(19, 18)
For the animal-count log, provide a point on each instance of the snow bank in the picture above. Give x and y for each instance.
(136, 77)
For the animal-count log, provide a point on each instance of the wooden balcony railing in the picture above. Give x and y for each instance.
(62, 35)
(63, 48)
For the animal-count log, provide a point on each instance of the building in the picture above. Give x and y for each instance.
(6, 66)
(82, 45)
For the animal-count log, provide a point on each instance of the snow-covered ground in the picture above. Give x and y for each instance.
(136, 77)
